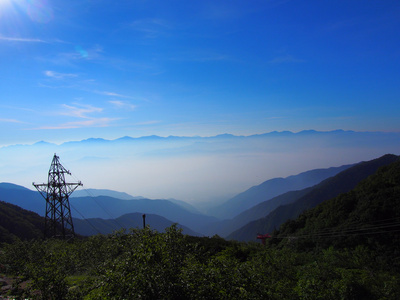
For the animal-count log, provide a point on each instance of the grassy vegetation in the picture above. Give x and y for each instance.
(150, 265)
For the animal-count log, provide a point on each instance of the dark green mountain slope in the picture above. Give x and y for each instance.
(369, 215)
(16, 222)
(272, 188)
(329, 188)
(127, 221)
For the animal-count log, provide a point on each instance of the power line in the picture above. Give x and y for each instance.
(101, 206)
(85, 219)
(380, 227)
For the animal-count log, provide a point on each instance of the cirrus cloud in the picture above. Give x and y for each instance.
(57, 75)
(122, 104)
(79, 111)
(93, 122)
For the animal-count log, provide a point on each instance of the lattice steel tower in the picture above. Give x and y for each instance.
(58, 220)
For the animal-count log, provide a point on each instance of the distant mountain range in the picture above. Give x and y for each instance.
(109, 210)
(350, 134)
(272, 188)
(195, 169)
(103, 192)
(106, 207)
(24, 221)
(302, 200)
(125, 196)
(93, 226)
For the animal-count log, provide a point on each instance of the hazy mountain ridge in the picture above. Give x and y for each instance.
(272, 188)
(274, 134)
(94, 226)
(125, 196)
(327, 189)
(226, 227)
(195, 169)
(110, 208)
(106, 207)
(22, 197)
(104, 192)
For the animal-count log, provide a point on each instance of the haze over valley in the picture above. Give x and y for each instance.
(196, 170)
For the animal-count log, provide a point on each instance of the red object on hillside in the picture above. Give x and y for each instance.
(263, 237)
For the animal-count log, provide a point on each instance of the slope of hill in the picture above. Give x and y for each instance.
(329, 188)
(133, 220)
(272, 188)
(369, 215)
(16, 222)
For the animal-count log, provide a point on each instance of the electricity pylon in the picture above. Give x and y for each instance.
(58, 220)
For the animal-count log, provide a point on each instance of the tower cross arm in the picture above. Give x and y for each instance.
(73, 186)
(42, 188)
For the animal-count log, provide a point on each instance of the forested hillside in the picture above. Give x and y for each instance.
(144, 264)
(329, 188)
(17, 223)
(369, 215)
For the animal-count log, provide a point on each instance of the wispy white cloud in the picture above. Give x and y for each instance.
(18, 108)
(123, 104)
(85, 115)
(112, 94)
(18, 39)
(79, 111)
(285, 59)
(92, 122)
(57, 75)
(10, 121)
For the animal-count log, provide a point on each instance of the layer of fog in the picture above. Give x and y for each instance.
(192, 169)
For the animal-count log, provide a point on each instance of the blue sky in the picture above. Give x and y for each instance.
(71, 70)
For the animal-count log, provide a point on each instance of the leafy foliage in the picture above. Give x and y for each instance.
(150, 265)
